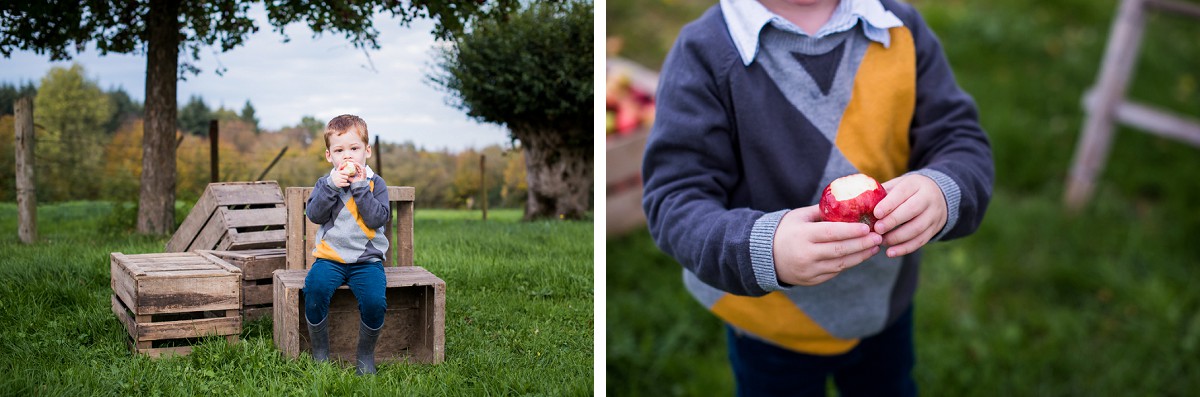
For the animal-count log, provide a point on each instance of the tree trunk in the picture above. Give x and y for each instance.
(559, 176)
(156, 200)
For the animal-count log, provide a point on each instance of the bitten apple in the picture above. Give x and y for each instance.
(851, 198)
(348, 168)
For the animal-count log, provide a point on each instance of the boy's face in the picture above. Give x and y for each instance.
(347, 147)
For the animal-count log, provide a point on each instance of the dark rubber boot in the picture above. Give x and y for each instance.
(366, 349)
(318, 337)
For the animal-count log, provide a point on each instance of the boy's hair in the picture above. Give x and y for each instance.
(342, 124)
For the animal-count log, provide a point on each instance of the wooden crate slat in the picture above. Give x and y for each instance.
(233, 240)
(254, 264)
(254, 313)
(295, 227)
(234, 218)
(190, 328)
(198, 294)
(210, 237)
(245, 193)
(201, 212)
(255, 294)
(122, 312)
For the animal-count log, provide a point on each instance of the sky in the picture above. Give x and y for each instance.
(320, 77)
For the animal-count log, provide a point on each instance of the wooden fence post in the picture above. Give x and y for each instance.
(483, 184)
(213, 152)
(378, 158)
(26, 190)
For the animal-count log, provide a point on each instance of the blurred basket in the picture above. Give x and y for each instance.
(624, 152)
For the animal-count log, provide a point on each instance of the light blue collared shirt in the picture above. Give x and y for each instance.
(746, 18)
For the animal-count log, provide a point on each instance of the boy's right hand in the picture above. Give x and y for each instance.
(809, 252)
(339, 179)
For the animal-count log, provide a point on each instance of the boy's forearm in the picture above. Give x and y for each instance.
(372, 205)
(321, 201)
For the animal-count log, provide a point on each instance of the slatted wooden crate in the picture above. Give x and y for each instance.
(413, 327)
(233, 216)
(301, 232)
(168, 301)
(256, 266)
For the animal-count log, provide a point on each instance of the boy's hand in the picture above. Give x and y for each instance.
(912, 213)
(809, 252)
(340, 177)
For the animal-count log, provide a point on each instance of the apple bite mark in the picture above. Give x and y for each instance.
(851, 199)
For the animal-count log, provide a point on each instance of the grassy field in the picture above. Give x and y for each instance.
(1037, 302)
(518, 316)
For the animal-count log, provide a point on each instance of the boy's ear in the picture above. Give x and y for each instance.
(328, 157)
(368, 151)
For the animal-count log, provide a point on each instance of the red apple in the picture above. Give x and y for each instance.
(851, 199)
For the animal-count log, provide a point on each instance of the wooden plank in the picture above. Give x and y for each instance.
(404, 233)
(286, 313)
(252, 240)
(254, 294)
(255, 264)
(255, 313)
(210, 237)
(25, 169)
(221, 262)
(245, 193)
(188, 294)
(295, 228)
(123, 315)
(189, 328)
(254, 217)
(124, 285)
(195, 221)
(439, 323)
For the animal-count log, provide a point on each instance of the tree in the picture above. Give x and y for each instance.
(532, 72)
(9, 94)
(194, 117)
(73, 111)
(248, 116)
(161, 28)
(124, 109)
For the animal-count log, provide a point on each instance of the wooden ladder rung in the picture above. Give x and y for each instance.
(1152, 120)
(1175, 6)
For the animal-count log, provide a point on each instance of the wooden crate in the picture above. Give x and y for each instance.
(233, 216)
(256, 266)
(301, 232)
(168, 301)
(413, 328)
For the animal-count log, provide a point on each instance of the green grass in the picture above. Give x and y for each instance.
(1037, 302)
(518, 316)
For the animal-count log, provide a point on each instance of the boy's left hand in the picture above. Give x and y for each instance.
(912, 213)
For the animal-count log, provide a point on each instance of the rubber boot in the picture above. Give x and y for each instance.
(366, 349)
(318, 337)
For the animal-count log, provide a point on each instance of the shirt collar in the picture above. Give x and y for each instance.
(746, 18)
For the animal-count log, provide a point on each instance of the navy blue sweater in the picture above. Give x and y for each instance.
(730, 148)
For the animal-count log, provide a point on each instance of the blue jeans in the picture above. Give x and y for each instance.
(879, 365)
(366, 281)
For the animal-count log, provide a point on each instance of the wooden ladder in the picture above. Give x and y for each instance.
(1106, 105)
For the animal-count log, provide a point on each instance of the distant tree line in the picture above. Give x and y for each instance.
(89, 147)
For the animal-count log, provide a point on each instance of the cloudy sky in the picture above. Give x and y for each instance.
(321, 77)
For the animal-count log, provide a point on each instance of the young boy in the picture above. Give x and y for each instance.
(760, 105)
(351, 205)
